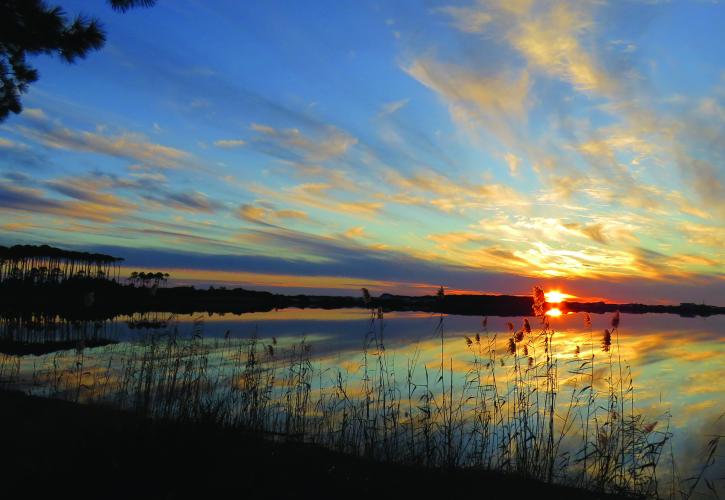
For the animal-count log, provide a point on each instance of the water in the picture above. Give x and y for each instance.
(671, 370)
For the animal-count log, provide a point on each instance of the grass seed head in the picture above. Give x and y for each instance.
(615, 320)
(606, 340)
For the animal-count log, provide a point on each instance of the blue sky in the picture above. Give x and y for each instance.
(324, 146)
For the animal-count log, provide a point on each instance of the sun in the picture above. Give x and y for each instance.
(555, 296)
(554, 312)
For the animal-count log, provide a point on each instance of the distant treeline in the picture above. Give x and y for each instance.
(144, 279)
(43, 264)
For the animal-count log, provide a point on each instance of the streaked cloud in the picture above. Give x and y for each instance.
(130, 146)
(34, 201)
(329, 144)
(263, 214)
(470, 96)
(229, 143)
(392, 107)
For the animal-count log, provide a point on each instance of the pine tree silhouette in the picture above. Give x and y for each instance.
(29, 27)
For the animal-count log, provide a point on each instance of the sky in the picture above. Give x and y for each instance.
(319, 147)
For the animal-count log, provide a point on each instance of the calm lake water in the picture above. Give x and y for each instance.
(672, 367)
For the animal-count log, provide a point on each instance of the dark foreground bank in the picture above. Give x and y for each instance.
(54, 449)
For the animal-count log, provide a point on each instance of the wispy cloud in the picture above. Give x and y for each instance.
(392, 107)
(128, 146)
(329, 144)
(35, 201)
(229, 143)
(263, 214)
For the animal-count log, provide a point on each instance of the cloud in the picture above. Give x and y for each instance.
(267, 215)
(546, 34)
(490, 96)
(355, 232)
(317, 195)
(468, 19)
(129, 146)
(291, 143)
(229, 143)
(193, 201)
(95, 187)
(427, 187)
(456, 238)
(712, 236)
(393, 107)
(20, 154)
(103, 210)
(88, 190)
(550, 41)
(558, 40)
(582, 245)
(513, 163)
(595, 232)
(707, 180)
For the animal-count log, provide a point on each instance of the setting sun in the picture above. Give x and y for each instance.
(554, 312)
(555, 296)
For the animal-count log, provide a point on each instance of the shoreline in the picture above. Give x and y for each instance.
(87, 451)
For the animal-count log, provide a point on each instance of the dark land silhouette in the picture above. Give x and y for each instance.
(88, 451)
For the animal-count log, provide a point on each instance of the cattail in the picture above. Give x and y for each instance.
(531, 361)
(519, 336)
(468, 340)
(511, 326)
(606, 340)
(526, 350)
(587, 320)
(539, 301)
(577, 351)
(484, 322)
(512, 346)
(527, 326)
(478, 339)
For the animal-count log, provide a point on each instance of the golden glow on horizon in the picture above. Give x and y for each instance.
(555, 296)
(554, 312)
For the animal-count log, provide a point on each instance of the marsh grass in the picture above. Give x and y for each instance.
(521, 407)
